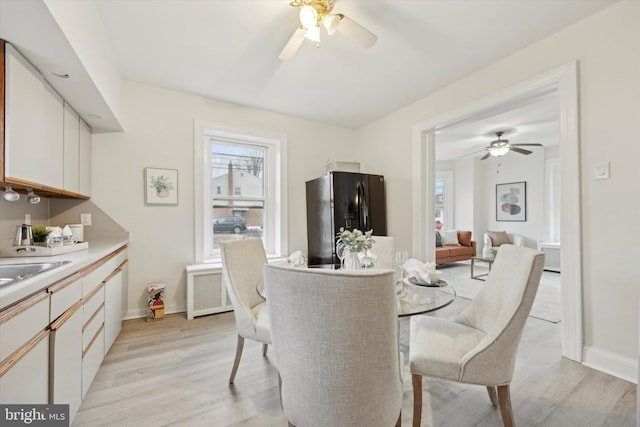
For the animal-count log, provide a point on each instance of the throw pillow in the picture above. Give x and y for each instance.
(498, 238)
(449, 238)
(438, 239)
(464, 237)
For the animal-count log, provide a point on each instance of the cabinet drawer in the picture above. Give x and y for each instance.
(91, 361)
(64, 295)
(93, 301)
(21, 322)
(91, 328)
(96, 277)
(122, 256)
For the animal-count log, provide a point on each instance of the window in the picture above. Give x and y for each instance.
(240, 177)
(444, 200)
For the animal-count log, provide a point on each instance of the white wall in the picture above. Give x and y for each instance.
(607, 47)
(515, 168)
(159, 134)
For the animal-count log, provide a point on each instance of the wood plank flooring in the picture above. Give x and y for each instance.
(174, 372)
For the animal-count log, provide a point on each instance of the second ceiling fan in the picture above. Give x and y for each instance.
(500, 147)
(317, 13)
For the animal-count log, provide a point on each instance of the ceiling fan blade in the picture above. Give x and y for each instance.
(527, 145)
(357, 32)
(293, 44)
(486, 156)
(519, 150)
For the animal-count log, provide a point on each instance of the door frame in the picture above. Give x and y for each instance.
(563, 81)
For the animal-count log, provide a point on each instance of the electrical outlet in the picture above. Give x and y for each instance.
(27, 219)
(85, 219)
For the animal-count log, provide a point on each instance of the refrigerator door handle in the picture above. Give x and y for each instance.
(364, 209)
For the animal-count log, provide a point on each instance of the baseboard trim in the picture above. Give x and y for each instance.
(611, 363)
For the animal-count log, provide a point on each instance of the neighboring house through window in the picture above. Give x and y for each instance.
(247, 171)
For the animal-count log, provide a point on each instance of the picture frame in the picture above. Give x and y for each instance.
(511, 201)
(160, 186)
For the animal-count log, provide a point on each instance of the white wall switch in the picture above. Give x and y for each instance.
(27, 219)
(601, 170)
(85, 219)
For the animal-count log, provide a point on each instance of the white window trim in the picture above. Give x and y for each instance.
(277, 229)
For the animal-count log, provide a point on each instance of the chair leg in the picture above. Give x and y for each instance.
(265, 347)
(236, 362)
(416, 380)
(504, 396)
(493, 395)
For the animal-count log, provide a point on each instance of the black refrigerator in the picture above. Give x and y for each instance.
(342, 199)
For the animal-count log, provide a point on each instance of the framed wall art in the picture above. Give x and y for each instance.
(161, 186)
(511, 201)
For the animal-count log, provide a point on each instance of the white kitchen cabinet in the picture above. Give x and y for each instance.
(71, 149)
(24, 351)
(24, 376)
(33, 124)
(66, 359)
(113, 308)
(84, 180)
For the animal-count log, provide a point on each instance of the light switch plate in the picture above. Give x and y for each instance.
(601, 170)
(85, 219)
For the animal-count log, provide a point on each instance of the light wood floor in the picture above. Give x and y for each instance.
(174, 373)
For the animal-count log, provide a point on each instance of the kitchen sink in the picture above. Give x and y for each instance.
(12, 273)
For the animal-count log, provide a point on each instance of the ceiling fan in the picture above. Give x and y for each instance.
(500, 147)
(313, 13)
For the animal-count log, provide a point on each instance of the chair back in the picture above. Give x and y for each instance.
(242, 263)
(500, 310)
(384, 249)
(335, 335)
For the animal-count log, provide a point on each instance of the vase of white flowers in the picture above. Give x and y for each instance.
(350, 243)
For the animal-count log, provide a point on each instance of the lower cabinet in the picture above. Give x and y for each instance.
(24, 376)
(66, 360)
(113, 310)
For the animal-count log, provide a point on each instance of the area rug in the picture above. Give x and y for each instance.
(546, 306)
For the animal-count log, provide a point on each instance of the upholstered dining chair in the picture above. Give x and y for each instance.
(479, 345)
(242, 263)
(384, 249)
(335, 338)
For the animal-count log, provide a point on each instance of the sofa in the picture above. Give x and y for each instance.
(494, 239)
(454, 245)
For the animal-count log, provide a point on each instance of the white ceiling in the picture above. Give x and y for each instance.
(228, 50)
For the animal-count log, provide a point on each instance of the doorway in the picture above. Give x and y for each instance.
(563, 81)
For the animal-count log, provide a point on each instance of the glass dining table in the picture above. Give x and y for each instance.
(412, 299)
(417, 299)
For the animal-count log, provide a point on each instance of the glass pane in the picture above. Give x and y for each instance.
(237, 192)
(237, 171)
(439, 204)
(240, 221)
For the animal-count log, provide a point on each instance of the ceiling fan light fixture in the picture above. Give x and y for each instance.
(308, 17)
(331, 23)
(499, 151)
(313, 34)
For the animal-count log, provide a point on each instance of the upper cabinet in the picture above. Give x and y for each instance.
(45, 144)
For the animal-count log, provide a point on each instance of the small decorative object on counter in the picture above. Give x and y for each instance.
(155, 304)
(40, 234)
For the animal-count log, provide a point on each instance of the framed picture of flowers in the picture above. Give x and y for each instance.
(160, 186)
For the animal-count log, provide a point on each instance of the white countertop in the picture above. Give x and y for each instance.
(80, 259)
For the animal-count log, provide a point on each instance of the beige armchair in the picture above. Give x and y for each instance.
(335, 338)
(479, 345)
(242, 263)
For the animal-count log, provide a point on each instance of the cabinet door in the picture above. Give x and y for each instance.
(71, 149)
(113, 309)
(27, 380)
(66, 359)
(33, 120)
(84, 179)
